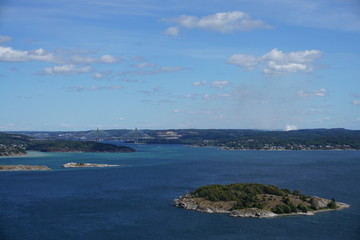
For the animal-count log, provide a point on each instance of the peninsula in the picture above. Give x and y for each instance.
(254, 200)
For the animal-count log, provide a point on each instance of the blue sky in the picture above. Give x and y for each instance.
(151, 64)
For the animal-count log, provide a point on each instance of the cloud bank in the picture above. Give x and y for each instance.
(277, 62)
(8, 54)
(67, 69)
(223, 22)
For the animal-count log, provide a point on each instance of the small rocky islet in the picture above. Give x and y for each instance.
(88, 165)
(254, 200)
(6, 168)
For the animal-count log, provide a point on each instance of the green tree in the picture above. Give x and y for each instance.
(332, 204)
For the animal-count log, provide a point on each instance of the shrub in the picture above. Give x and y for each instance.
(332, 204)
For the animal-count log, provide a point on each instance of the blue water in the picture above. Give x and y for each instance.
(135, 201)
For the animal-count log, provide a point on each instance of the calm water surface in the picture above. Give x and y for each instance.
(135, 202)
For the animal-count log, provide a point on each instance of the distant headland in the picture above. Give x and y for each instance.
(254, 200)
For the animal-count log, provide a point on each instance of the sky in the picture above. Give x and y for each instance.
(151, 64)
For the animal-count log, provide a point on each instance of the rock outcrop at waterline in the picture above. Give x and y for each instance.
(23, 168)
(254, 200)
(88, 165)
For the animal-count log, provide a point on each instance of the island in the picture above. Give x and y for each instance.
(254, 200)
(23, 168)
(76, 146)
(88, 165)
(18, 144)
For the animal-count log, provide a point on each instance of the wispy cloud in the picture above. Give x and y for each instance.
(144, 65)
(102, 75)
(5, 39)
(356, 102)
(153, 91)
(220, 84)
(153, 71)
(215, 96)
(278, 62)
(199, 83)
(79, 59)
(8, 54)
(317, 93)
(223, 22)
(67, 69)
(94, 88)
(172, 31)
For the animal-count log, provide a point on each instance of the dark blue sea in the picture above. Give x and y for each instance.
(135, 201)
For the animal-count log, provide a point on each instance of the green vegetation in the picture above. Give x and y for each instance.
(254, 195)
(17, 144)
(13, 144)
(244, 194)
(314, 139)
(332, 204)
(76, 146)
(228, 139)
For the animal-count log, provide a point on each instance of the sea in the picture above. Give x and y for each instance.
(135, 201)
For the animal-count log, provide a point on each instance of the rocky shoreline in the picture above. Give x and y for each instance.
(202, 205)
(23, 168)
(88, 165)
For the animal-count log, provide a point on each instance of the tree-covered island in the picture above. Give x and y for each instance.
(75, 146)
(254, 200)
(17, 144)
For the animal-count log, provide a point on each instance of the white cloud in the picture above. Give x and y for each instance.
(220, 84)
(278, 62)
(214, 96)
(146, 65)
(223, 22)
(172, 31)
(102, 75)
(318, 93)
(5, 39)
(115, 87)
(88, 60)
(108, 59)
(94, 88)
(8, 54)
(199, 83)
(153, 71)
(290, 127)
(67, 69)
(121, 119)
(244, 61)
(356, 102)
